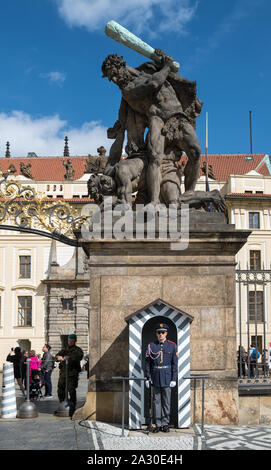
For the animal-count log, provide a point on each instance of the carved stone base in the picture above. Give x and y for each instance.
(127, 275)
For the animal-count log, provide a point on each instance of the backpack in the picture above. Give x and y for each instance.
(253, 355)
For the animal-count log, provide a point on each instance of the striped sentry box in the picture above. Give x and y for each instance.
(9, 406)
(136, 322)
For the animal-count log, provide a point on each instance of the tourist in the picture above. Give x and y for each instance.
(47, 365)
(34, 365)
(16, 357)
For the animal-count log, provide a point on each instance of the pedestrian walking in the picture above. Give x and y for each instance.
(47, 365)
(74, 355)
(161, 370)
(16, 357)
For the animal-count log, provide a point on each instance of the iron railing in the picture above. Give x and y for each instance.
(252, 319)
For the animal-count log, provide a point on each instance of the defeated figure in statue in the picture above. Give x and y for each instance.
(127, 179)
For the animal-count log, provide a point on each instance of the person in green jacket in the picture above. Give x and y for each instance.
(74, 355)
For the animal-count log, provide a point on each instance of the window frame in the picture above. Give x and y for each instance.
(26, 267)
(256, 262)
(252, 226)
(27, 310)
(68, 301)
(251, 306)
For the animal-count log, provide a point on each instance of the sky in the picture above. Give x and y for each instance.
(51, 83)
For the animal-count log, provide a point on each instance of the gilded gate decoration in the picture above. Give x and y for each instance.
(23, 208)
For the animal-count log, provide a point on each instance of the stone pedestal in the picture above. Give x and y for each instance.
(129, 274)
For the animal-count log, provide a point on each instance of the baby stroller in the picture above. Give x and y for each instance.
(35, 392)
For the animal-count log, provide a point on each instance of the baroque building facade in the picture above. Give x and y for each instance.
(44, 285)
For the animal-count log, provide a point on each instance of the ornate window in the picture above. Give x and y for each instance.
(255, 259)
(254, 219)
(24, 310)
(256, 305)
(25, 267)
(67, 305)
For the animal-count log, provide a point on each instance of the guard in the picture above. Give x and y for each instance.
(74, 355)
(161, 370)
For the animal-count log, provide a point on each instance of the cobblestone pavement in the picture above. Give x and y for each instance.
(48, 432)
(238, 437)
(109, 437)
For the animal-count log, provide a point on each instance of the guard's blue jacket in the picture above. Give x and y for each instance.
(161, 363)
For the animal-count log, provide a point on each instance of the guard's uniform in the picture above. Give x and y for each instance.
(161, 367)
(75, 355)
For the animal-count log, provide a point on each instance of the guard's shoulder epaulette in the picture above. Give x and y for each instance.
(152, 342)
(172, 342)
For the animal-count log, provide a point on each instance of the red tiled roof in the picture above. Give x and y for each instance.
(52, 168)
(225, 165)
(46, 168)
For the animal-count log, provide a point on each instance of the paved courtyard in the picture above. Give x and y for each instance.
(48, 432)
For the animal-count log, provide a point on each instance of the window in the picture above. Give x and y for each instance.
(254, 220)
(258, 298)
(67, 304)
(255, 259)
(248, 192)
(25, 267)
(25, 310)
(48, 187)
(259, 342)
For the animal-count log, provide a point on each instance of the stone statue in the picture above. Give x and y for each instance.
(169, 105)
(69, 175)
(25, 170)
(158, 114)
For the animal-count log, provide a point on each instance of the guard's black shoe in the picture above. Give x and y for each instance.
(165, 428)
(157, 429)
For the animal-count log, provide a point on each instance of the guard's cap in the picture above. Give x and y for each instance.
(161, 326)
(72, 336)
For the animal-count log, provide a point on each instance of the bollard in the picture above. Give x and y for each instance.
(64, 407)
(28, 409)
(9, 406)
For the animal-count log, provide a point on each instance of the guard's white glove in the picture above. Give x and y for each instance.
(147, 383)
(172, 384)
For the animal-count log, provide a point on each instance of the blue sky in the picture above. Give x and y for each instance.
(52, 51)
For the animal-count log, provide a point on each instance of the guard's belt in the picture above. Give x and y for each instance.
(162, 367)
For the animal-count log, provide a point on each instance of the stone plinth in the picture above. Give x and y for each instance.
(126, 275)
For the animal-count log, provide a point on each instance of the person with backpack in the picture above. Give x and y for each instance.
(254, 356)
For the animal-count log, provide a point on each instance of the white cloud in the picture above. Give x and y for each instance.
(45, 135)
(141, 15)
(54, 77)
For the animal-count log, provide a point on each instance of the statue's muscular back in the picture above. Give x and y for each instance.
(146, 98)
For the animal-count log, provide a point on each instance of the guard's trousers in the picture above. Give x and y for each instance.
(161, 403)
(72, 386)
